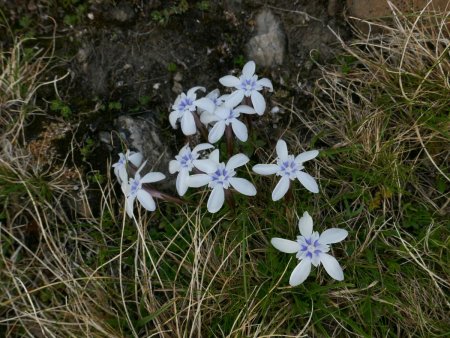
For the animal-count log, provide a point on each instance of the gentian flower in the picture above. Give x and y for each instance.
(289, 168)
(248, 85)
(227, 114)
(120, 167)
(220, 178)
(185, 161)
(312, 248)
(185, 106)
(134, 189)
(206, 117)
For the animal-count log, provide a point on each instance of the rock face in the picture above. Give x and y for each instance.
(370, 9)
(267, 47)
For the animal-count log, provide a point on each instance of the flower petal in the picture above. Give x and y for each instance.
(202, 146)
(305, 225)
(258, 101)
(207, 118)
(306, 156)
(266, 169)
(213, 94)
(229, 81)
(214, 156)
(234, 99)
(333, 235)
(249, 69)
(173, 117)
(192, 91)
(198, 180)
(300, 273)
(243, 186)
(205, 104)
(182, 182)
(129, 205)
(216, 199)
(308, 181)
(216, 132)
(123, 174)
(153, 177)
(188, 124)
(281, 188)
(236, 161)
(265, 82)
(206, 165)
(332, 266)
(174, 166)
(243, 109)
(240, 130)
(146, 200)
(136, 159)
(281, 149)
(285, 245)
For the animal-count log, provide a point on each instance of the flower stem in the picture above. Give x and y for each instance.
(230, 199)
(248, 118)
(229, 136)
(200, 127)
(163, 196)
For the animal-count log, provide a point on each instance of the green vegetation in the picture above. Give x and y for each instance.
(73, 265)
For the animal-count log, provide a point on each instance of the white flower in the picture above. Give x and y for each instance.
(185, 161)
(289, 168)
(227, 114)
(207, 117)
(248, 85)
(120, 167)
(134, 189)
(185, 105)
(312, 248)
(221, 178)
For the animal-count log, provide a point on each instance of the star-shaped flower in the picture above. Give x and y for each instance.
(207, 117)
(120, 167)
(185, 105)
(134, 189)
(185, 161)
(228, 114)
(289, 168)
(248, 85)
(220, 178)
(312, 248)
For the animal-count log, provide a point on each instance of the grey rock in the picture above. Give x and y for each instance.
(267, 47)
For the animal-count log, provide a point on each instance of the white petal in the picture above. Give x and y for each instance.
(308, 181)
(240, 130)
(266, 169)
(333, 235)
(305, 225)
(285, 245)
(244, 109)
(234, 99)
(153, 177)
(202, 146)
(249, 69)
(236, 161)
(281, 149)
(198, 180)
(146, 200)
(205, 104)
(207, 118)
(123, 174)
(216, 199)
(332, 266)
(188, 124)
(306, 156)
(265, 82)
(222, 112)
(216, 132)
(229, 81)
(206, 165)
(243, 186)
(192, 91)
(173, 117)
(281, 188)
(300, 273)
(174, 166)
(214, 156)
(213, 94)
(259, 104)
(182, 182)
(136, 159)
(129, 206)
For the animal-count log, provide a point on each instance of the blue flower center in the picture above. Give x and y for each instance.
(288, 168)
(135, 185)
(221, 176)
(186, 160)
(185, 104)
(311, 248)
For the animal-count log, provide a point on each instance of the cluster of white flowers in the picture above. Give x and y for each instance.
(201, 166)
